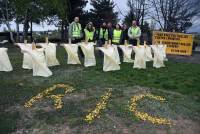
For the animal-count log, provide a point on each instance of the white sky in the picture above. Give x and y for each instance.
(121, 5)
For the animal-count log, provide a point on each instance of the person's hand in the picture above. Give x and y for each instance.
(86, 42)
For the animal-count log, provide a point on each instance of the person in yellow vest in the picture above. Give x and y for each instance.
(117, 35)
(75, 31)
(134, 33)
(89, 32)
(102, 35)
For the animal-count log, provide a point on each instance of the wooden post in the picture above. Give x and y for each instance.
(46, 40)
(25, 41)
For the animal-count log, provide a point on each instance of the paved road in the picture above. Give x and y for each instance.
(195, 58)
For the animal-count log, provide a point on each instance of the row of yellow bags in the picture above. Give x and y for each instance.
(40, 59)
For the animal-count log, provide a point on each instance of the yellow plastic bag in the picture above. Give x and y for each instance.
(140, 59)
(158, 60)
(5, 64)
(88, 50)
(27, 60)
(50, 53)
(110, 61)
(127, 51)
(38, 61)
(72, 51)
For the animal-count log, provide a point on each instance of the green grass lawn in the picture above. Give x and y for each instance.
(178, 83)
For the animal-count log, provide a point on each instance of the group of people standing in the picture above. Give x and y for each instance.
(105, 34)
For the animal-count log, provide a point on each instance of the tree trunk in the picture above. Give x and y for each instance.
(66, 31)
(31, 31)
(17, 29)
(142, 15)
(62, 31)
(5, 17)
(26, 26)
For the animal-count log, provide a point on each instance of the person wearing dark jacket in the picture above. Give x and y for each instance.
(125, 34)
(110, 31)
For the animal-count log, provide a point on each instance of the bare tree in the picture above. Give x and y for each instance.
(174, 14)
(137, 11)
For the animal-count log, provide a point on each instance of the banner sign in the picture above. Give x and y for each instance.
(177, 43)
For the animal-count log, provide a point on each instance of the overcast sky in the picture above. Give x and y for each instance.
(120, 5)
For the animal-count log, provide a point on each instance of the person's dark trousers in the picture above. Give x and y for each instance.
(100, 43)
(90, 40)
(75, 41)
(133, 42)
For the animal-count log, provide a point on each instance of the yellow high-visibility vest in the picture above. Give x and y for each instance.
(76, 30)
(116, 36)
(89, 34)
(103, 34)
(134, 31)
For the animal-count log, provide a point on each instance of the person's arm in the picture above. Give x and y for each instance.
(110, 37)
(81, 31)
(121, 38)
(85, 35)
(95, 36)
(70, 32)
(138, 34)
(129, 33)
(110, 34)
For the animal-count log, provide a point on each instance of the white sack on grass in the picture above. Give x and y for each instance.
(140, 59)
(163, 50)
(116, 54)
(127, 51)
(110, 61)
(148, 53)
(5, 64)
(158, 60)
(38, 61)
(27, 60)
(88, 51)
(72, 51)
(50, 53)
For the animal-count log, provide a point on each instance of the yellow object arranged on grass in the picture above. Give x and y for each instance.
(99, 107)
(145, 116)
(47, 93)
